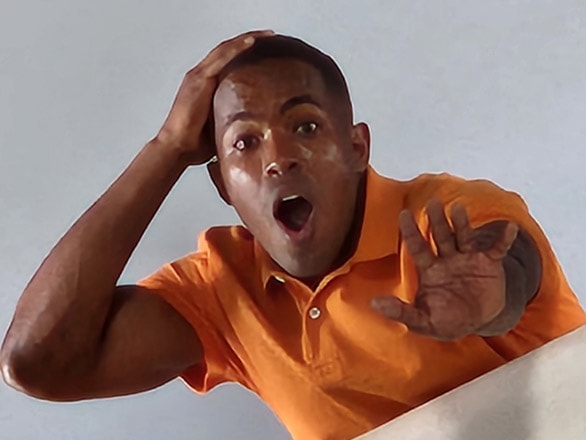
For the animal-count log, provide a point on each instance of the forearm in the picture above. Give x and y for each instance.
(60, 315)
(522, 267)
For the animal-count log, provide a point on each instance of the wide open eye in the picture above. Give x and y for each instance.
(245, 142)
(306, 128)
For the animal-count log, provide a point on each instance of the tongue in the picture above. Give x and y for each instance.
(294, 213)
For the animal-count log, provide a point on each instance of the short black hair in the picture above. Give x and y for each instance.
(284, 46)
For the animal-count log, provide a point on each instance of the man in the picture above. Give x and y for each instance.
(347, 299)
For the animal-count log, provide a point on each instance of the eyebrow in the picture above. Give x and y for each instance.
(238, 116)
(298, 100)
(287, 105)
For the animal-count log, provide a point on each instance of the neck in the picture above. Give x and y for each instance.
(352, 238)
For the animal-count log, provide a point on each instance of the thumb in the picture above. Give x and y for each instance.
(398, 310)
(390, 306)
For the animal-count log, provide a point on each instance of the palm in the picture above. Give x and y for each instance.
(461, 286)
(460, 291)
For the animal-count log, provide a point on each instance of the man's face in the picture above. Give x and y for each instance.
(289, 163)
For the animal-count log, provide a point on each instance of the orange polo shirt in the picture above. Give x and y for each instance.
(326, 363)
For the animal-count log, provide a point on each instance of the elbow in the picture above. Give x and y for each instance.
(12, 371)
(22, 374)
(15, 374)
(7, 370)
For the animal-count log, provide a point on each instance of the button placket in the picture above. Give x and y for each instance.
(313, 318)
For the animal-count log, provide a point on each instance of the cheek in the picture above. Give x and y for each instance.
(237, 181)
(332, 153)
(327, 152)
(305, 152)
(237, 176)
(332, 156)
(242, 187)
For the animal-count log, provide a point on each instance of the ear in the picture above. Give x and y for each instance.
(360, 146)
(215, 173)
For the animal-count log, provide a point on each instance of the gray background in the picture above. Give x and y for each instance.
(480, 89)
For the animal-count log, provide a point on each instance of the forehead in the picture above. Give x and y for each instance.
(266, 84)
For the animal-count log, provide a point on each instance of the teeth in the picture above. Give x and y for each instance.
(286, 199)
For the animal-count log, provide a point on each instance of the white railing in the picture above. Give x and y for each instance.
(540, 396)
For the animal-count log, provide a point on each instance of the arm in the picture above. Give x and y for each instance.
(58, 332)
(74, 333)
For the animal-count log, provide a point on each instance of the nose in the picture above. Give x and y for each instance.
(280, 157)
(280, 167)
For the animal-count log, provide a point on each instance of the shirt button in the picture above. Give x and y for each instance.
(314, 312)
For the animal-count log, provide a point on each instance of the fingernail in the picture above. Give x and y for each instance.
(248, 41)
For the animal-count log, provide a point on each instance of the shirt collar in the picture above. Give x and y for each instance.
(379, 235)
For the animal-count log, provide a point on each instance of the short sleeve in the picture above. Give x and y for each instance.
(555, 309)
(184, 284)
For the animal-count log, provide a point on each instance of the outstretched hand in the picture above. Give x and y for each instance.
(462, 287)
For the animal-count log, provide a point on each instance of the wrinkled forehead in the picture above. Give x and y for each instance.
(264, 86)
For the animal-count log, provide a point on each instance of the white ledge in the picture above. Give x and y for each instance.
(540, 396)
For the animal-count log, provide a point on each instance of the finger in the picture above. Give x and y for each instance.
(197, 80)
(504, 242)
(235, 41)
(397, 310)
(462, 229)
(443, 235)
(419, 249)
(225, 52)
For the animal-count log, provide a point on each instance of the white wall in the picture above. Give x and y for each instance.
(481, 89)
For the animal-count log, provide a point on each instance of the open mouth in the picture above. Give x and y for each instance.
(293, 212)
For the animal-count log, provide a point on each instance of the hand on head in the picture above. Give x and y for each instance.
(185, 126)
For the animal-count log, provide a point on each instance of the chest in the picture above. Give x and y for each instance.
(331, 339)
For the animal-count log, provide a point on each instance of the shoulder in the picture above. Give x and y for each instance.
(484, 199)
(449, 188)
(226, 244)
(217, 248)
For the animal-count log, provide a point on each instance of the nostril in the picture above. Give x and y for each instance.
(273, 169)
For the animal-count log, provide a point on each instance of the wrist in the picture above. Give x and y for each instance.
(168, 153)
